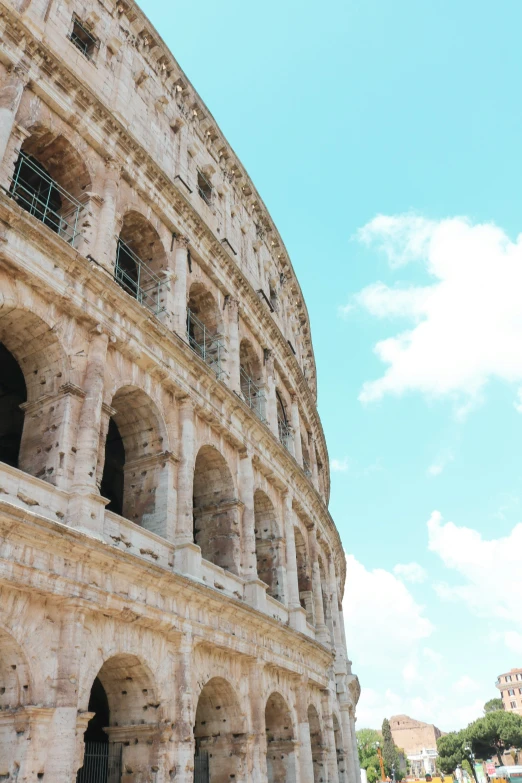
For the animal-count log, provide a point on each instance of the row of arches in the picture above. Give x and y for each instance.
(128, 716)
(53, 183)
(133, 472)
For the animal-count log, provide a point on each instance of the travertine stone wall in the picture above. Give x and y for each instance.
(170, 577)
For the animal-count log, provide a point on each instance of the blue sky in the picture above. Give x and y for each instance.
(409, 109)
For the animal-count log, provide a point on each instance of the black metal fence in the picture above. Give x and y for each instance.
(201, 768)
(101, 763)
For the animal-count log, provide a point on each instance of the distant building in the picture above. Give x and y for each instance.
(510, 687)
(423, 763)
(413, 736)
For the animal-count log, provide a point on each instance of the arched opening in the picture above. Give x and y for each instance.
(33, 414)
(140, 260)
(306, 454)
(219, 734)
(339, 752)
(205, 328)
(15, 693)
(215, 509)
(251, 379)
(280, 754)
(13, 393)
(268, 549)
(283, 425)
(51, 182)
(325, 594)
(122, 734)
(304, 580)
(134, 472)
(316, 741)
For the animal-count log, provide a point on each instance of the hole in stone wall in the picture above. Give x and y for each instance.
(112, 481)
(12, 394)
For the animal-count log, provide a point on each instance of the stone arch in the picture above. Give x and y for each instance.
(134, 477)
(283, 422)
(127, 717)
(220, 732)
(51, 180)
(141, 258)
(280, 741)
(202, 304)
(316, 742)
(268, 544)
(33, 410)
(304, 579)
(339, 750)
(205, 327)
(15, 694)
(327, 614)
(251, 378)
(216, 510)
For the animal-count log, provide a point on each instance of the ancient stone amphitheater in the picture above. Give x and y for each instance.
(170, 577)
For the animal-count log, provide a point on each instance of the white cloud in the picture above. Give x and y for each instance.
(466, 325)
(340, 465)
(410, 572)
(465, 684)
(440, 463)
(491, 577)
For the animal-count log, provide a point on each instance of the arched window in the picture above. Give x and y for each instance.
(134, 475)
(280, 755)
(13, 394)
(285, 432)
(268, 550)
(339, 751)
(140, 260)
(219, 734)
(251, 379)
(51, 182)
(15, 694)
(304, 579)
(204, 328)
(216, 512)
(316, 741)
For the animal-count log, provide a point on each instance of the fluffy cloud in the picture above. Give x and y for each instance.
(466, 326)
(483, 589)
(340, 465)
(440, 463)
(410, 572)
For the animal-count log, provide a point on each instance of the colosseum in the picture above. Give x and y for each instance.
(170, 577)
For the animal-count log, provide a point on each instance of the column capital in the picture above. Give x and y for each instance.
(182, 241)
(20, 71)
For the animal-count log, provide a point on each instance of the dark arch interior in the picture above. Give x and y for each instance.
(98, 703)
(129, 279)
(34, 190)
(112, 479)
(13, 393)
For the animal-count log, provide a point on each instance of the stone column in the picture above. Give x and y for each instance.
(296, 427)
(256, 765)
(313, 465)
(248, 536)
(187, 558)
(348, 745)
(355, 754)
(340, 654)
(234, 380)
(178, 763)
(296, 611)
(84, 489)
(322, 631)
(306, 765)
(271, 400)
(11, 92)
(329, 738)
(181, 287)
(104, 249)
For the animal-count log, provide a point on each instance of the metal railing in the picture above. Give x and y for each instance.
(285, 432)
(137, 278)
(253, 395)
(205, 188)
(39, 196)
(102, 763)
(206, 344)
(82, 39)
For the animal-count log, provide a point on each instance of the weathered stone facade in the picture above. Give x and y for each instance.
(170, 577)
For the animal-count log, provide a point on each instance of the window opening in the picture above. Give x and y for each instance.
(37, 193)
(285, 433)
(113, 476)
(209, 346)
(13, 393)
(83, 39)
(137, 278)
(205, 188)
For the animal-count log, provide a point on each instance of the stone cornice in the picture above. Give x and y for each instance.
(60, 540)
(97, 280)
(154, 177)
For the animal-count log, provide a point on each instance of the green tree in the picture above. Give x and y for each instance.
(493, 704)
(495, 734)
(367, 740)
(454, 750)
(390, 753)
